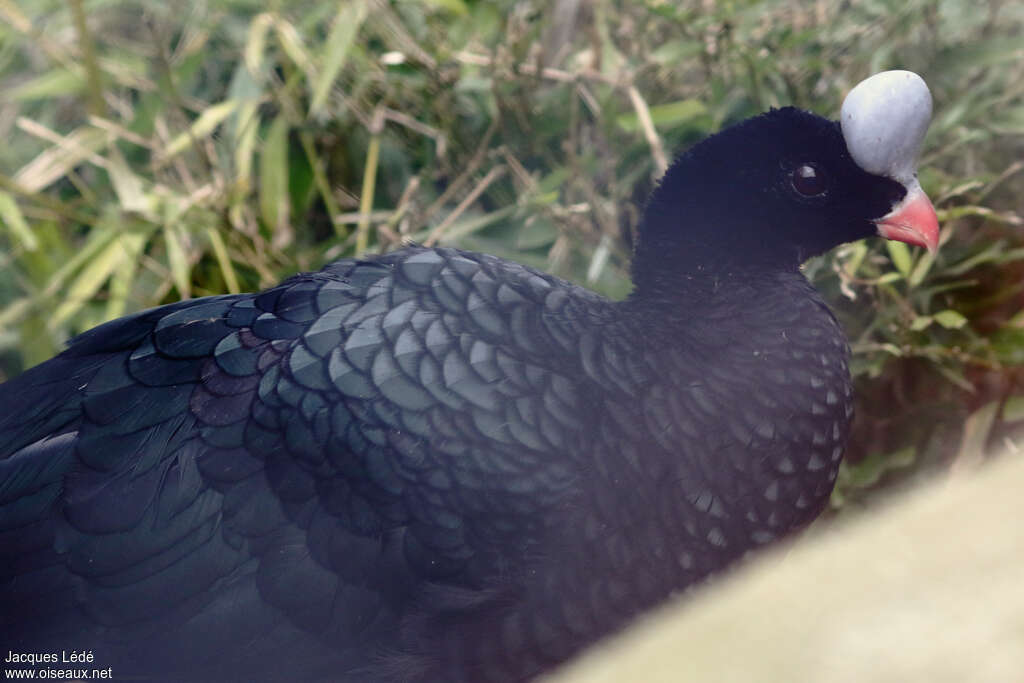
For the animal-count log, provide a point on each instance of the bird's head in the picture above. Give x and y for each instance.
(778, 188)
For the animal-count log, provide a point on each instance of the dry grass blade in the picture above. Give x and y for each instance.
(58, 161)
(437, 233)
(650, 134)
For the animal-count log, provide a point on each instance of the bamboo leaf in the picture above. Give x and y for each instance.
(664, 115)
(900, 255)
(15, 222)
(888, 278)
(14, 312)
(245, 144)
(59, 82)
(921, 322)
(98, 240)
(921, 269)
(59, 160)
(256, 42)
(274, 180)
(220, 250)
(122, 279)
(200, 128)
(127, 185)
(291, 43)
(1008, 345)
(89, 281)
(346, 24)
(676, 51)
(536, 233)
(177, 260)
(454, 6)
(950, 319)
(37, 341)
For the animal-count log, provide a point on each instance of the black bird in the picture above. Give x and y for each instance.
(437, 465)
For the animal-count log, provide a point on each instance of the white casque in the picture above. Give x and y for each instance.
(884, 119)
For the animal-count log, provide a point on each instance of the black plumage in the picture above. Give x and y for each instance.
(438, 465)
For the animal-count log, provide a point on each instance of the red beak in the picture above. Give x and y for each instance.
(913, 221)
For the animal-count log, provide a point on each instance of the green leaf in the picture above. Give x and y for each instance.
(14, 312)
(15, 222)
(950, 319)
(92, 277)
(292, 44)
(343, 32)
(474, 84)
(124, 277)
(868, 471)
(454, 6)
(37, 341)
(245, 144)
(1013, 409)
(995, 253)
(204, 125)
(900, 255)
(274, 177)
(58, 161)
(921, 322)
(991, 51)
(128, 186)
(554, 180)
(256, 41)
(99, 238)
(857, 251)
(1008, 345)
(177, 260)
(59, 82)
(921, 268)
(676, 51)
(223, 260)
(300, 180)
(664, 115)
(535, 233)
(887, 278)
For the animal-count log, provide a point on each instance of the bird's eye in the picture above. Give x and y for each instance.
(808, 180)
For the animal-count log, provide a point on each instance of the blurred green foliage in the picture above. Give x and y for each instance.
(155, 151)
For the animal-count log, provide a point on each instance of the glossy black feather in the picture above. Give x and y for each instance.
(434, 464)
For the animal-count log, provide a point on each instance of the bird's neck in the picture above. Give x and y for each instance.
(746, 395)
(685, 243)
(677, 303)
